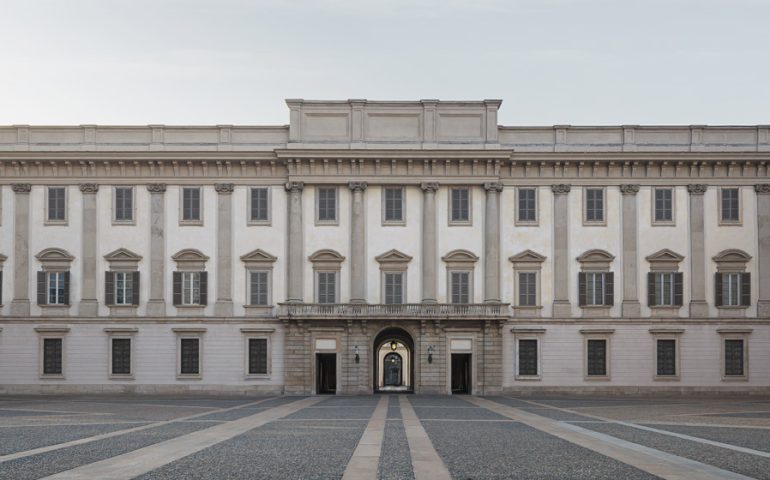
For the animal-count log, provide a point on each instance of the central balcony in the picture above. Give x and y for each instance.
(466, 311)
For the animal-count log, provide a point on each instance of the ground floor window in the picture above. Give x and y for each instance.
(189, 356)
(596, 358)
(257, 356)
(52, 356)
(528, 364)
(666, 357)
(121, 356)
(734, 364)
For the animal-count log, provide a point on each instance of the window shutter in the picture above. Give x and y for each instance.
(678, 289)
(718, 289)
(42, 298)
(204, 288)
(177, 284)
(609, 288)
(135, 288)
(1, 286)
(651, 289)
(66, 288)
(746, 289)
(109, 288)
(581, 289)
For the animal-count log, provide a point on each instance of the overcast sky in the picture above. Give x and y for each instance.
(235, 61)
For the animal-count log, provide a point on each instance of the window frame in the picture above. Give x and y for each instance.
(257, 334)
(667, 334)
(384, 275)
(594, 223)
(195, 275)
(517, 218)
(121, 334)
(132, 220)
(385, 221)
(653, 208)
(518, 287)
(317, 285)
(191, 222)
(327, 222)
(52, 332)
(126, 281)
(598, 334)
(730, 222)
(734, 334)
(450, 292)
(185, 334)
(528, 335)
(592, 291)
(269, 280)
(61, 278)
(249, 218)
(56, 222)
(464, 222)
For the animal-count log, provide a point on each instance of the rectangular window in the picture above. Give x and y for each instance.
(460, 287)
(124, 204)
(664, 205)
(52, 356)
(730, 205)
(394, 205)
(327, 204)
(528, 357)
(191, 204)
(731, 289)
(327, 287)
(121, 356)
(664, 289)
(57, 204)
(189, 349)
(394, 288)
(594, 205)
(596, 364)
(257, 356)
(595, 288)
(460, 207)
(56, 288)
(527, 289)
(734, 358)
(527, 205)
(666, 356)
(259, 210)
(124, 288)
(259, 287)
(191, 288)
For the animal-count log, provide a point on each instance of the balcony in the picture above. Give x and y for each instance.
(468, 311)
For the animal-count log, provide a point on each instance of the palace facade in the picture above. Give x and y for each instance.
(384, 246)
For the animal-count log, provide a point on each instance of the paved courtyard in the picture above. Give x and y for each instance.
(386, 437)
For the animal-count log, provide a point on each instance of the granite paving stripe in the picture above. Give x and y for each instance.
(555, 413)
(426, 462)
(756, 439)
(742, 414)
(395, 461)
(143, 460)
(366, 457)
(467, 413)
(18, 439)
(394, 411)
(351, 412)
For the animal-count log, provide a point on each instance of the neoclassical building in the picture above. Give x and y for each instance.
(384, 246)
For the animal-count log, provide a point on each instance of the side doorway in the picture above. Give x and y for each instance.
(326, 373)
(461, 373)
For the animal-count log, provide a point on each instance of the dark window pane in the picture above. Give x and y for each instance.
(663, 204)
(56, 203)
(527, 289)
(594, 204)
(259, 288)
(257, 356)
(666, 357)
(730, 203)
(124, 204)
(190, 356)
(597, 357)
(527, 205)
(734, 357)
(460, 204)
(460, 286)
(327, 287)
(327, 204)
(394, 288)
(528, 357)
(52, 356)
(259, 207)
(394, 205)
(191, 204)
(121, 356)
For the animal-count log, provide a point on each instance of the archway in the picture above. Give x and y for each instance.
(393, 361)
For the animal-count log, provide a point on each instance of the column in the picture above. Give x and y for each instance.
(698, 305)
(20, 302)
(763, 231)
(492, 243)
(224, 305)
(429, 242)
(561, 305)
(89, 305)
(630, 308)
(295, 240)
(358, 244)
(156, 305)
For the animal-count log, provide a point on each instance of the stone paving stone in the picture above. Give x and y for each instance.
(232, 414)
(437, 401)
(44, 464)
(542, 411)
(455, 413)
(25, 413)
(756, 439)
(394, 411)
(357, 412)
(742, 415)
(18, 439)
(395, 461)
(743, 463)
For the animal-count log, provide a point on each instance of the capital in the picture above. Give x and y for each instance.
(629, 188)
(357, 186)
(89, 187)
(697, 188)
(156, 187)
(429, 187)
(21, 187)
(224, 188)
(762, 189)
(294, 186)
(561, 189)
(493, 187)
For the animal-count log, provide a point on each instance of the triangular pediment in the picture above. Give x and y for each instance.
(189, 255)
(527, 256)
(122, 254)
(460, 256)
(732, 255)
(664, 255)
(393, 256)
(258, 255)
(596, 256)
(326, 255)
(54, 254)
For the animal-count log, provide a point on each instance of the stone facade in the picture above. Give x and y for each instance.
(624, 259)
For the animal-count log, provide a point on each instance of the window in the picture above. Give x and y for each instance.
(259, 207)
(121, 356)
(596, 289)
(57, 205)
(460, 205)
(57, 287)
(734, 357)
(527, 266)
(460, 287)
(121, 282)
(52, 356)
(393, 205)
(528, 357)
(594, 205)
(527, 289)
(190, 283)
(666, 357)
(53, 282)
(189, 360)
(259, 287)
(191, 205)
(191, 288)
(327, 287)
(526, 202)
(663, 211)
(730, 211)
(257, 356)
(596, 357)
(124, 205)
(326, 200)
(665, 289)
(732, 284)
(124, 291)
(394, 288)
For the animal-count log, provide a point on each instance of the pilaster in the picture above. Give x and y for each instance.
(561, 303)
(20, 302)
(156, 304)
(295, 242)
(224, 304)
(89, 305)
(358, 244)
(698, 305)
(630, 306)
(429, 242)
(492, 243)
(763, 232)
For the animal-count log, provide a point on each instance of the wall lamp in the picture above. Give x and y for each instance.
(355, 351)
(430, 354)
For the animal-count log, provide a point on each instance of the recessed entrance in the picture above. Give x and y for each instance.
(393, 361)
(461, 373)
(326, 373)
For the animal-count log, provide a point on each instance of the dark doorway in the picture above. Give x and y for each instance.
(461, 373)
(326, 373)
(393, 373)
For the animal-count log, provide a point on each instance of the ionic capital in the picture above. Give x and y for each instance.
(762, 188)
(357, 186)
(561, 189)
(629, 188)
(429, 187)
(493, 187)
(294, 187)
(697, 188)
(21, 187)
(89, 187)
(224, 188)
(156, 187)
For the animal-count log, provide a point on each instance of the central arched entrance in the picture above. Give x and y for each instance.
(393, 361)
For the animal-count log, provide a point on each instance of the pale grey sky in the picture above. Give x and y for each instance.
(234, 61)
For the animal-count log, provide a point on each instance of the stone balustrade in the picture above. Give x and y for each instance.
(471, 311)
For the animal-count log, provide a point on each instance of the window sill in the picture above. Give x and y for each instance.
(190, 309)
(258, 223)
(460, 223)
(527, 311)
(260, 376)
(598, 311)
(663, 224)
(394, 223)
(55, 310)
(121, 377)
(258, 310)
(123, 310)
(665, 310)
(327, 223)
(52, 377)
(732, 311)
(665, 378)
(730, 223)
(587, 223)
(123, 223)
(735, 378)
(189, 376)
(56, 223)
(521, 223)
(596, 378)
(528, 378)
